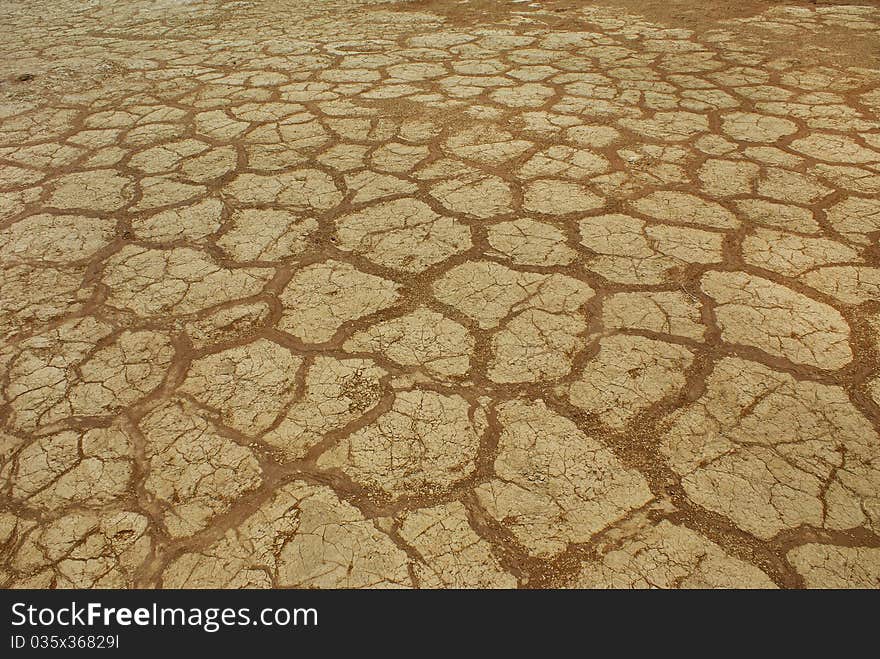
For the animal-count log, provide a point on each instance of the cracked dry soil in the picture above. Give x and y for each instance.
(353, 293)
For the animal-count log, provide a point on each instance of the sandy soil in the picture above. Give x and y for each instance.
(346, 293)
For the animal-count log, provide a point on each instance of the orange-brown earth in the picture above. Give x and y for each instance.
(345, 293)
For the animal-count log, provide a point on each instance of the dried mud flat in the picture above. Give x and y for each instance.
(338, 293)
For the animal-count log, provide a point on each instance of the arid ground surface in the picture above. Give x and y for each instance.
(338, 293)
